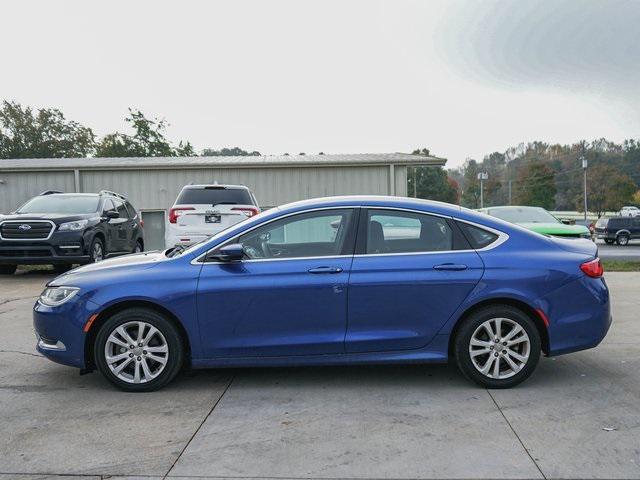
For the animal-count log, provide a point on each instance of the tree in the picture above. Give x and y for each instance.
(148, 140)
(44, 133)
(229, 152)
(432, 183)
(421, 151)
(607, 190)
(536, 186)
(470, 184)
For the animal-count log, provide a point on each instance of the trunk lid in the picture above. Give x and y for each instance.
(578, 245)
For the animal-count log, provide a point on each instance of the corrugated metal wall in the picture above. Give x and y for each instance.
(151, 189)
(16, 188)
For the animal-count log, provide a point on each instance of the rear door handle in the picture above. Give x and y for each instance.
(450, 266)
(325, 270)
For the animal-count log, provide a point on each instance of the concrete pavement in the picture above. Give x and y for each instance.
(577, 417)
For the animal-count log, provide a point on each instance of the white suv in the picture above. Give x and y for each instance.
(201, 211)
(630, 212)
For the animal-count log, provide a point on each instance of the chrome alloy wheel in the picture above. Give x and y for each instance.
(98, 255)
(499, 348)
(136, 352)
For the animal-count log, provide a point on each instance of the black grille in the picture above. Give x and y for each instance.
(28, 230)
(25, 252)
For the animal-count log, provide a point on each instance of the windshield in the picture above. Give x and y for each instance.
(64, 204)
(523, 215)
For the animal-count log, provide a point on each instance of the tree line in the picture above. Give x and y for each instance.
(536, 173)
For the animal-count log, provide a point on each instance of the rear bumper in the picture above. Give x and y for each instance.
(579, 314)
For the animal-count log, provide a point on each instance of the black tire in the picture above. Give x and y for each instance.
(8, 269)
(60, 268)
(622, 240)
(473, 322)
(608, 241)
(139, 248)
(174, 357)
(93, 254)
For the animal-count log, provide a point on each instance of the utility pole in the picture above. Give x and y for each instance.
(482, 176)
(584, 169)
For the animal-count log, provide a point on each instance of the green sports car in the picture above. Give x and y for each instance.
(538, 220)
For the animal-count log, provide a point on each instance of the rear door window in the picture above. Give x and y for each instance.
(214, 196)
(478, 237)
(122, 210)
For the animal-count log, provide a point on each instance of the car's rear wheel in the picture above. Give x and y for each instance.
(138, 350)
(497, 346)
(622, 240)
(8, 269)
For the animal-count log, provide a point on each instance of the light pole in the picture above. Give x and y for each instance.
(584, 169)
(482, 176)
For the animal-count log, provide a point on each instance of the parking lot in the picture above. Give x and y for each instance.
(577, 417)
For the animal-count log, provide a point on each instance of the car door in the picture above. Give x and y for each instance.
(635, 228)
(288, 296)
(123, 227)
(111, 227)
(410, 273)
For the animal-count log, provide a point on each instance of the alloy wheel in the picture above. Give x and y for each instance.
(499, 348)
(97, 253)
(136, 352)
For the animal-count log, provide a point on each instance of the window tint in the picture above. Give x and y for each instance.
(313, 234)
(390, 231)
(131, 210)
(214, 196)
(477, 237)
(122, 210)
(108, 205)
(78, 205)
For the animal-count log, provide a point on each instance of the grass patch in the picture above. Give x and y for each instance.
(621, 266)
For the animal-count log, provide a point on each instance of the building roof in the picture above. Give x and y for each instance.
(353, 159)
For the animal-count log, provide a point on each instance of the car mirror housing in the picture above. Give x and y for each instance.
(110, 214)
(228, 253)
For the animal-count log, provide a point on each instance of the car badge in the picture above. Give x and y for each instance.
(24, 227)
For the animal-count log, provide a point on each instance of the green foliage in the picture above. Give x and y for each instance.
(537, 186)
(44, 133)
(607, 190)
(431, 183)
(229, 152)
(148, 140)
(471, 184)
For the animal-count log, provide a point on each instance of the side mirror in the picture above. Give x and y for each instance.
(568, 221)
(110, 214)
(228, 253)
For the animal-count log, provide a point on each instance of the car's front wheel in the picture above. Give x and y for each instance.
(497, 346)
(138, 350)
(97, 250)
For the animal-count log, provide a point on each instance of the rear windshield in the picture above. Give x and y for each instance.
(214, 196)
(66, 204)
(602, 222)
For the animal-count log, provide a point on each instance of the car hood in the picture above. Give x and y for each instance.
(552, 228)
(118, 265)
(54, 217)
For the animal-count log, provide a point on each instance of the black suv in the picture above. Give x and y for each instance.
(67, 228)
(618, 229)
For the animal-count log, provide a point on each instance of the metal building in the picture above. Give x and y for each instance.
(152, 183)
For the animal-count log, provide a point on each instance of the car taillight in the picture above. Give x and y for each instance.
(593, 268)
(174, 213)
(248, 211)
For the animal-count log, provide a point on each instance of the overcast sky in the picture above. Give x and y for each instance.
(461, 78)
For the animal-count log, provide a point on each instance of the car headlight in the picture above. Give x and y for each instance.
(54, 296)
(73, 226)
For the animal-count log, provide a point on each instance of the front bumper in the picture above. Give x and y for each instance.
(59, 331)
(61, 248)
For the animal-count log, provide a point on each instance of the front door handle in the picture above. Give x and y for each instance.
(450, 266)
(325, 270)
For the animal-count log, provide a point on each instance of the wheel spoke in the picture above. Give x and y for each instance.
(499, 327)
(158, 359)
(113, 339)
(152, 331)
(487, 366)
(145, 368)
(482, 351)
(514, 331)
(514, 366)
(517, 356)
(117, 358)
(518, 340)
(480, 343)
(158, 349)
(120, 367)
(136, 373)
(496, 368)
(123, 333)
(141, 326)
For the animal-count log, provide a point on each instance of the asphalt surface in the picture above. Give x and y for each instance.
(577, 417)
(615, 252)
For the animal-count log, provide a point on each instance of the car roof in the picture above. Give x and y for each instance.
(218, 185)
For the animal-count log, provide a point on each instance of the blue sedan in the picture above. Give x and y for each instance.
(342, 280)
